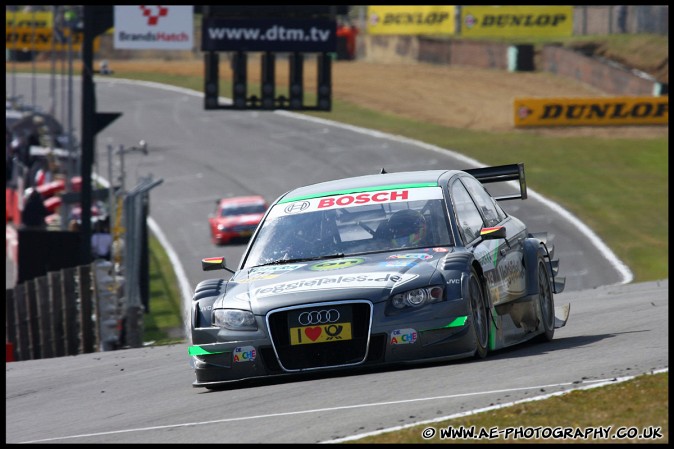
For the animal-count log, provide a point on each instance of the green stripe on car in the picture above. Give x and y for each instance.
(198, 350)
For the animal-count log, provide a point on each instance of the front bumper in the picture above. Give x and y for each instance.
(441, 332)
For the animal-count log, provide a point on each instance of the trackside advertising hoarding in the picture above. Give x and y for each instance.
(142, 27)
(37, 19)
(411, 20)
(516, 21)
(281, 35)
(591, 111)
(40, 39)
(34, 31)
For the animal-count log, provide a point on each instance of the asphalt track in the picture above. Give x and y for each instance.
(145, 395)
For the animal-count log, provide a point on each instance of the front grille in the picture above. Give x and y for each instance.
(305, 355)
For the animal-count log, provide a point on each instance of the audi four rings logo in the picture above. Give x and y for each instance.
(318, 317)
(296, 207)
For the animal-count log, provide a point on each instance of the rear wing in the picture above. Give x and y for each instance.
(502, 173)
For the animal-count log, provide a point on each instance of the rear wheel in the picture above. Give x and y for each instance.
(546, 303)
(480, 315)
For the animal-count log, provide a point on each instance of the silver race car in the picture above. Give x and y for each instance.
(378, 269)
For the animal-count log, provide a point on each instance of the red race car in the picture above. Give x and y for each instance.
(236, 218)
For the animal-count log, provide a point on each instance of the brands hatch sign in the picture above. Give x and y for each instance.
(155, 27)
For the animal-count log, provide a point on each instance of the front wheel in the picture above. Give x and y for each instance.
(480, 315)
(546, 303)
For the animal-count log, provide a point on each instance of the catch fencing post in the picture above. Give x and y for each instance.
(134, 220)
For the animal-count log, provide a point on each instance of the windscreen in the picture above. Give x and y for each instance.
(350, 224)
(243, 209)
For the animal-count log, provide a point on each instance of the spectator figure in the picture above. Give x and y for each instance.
(74, 226)
(101, 241)
(34, 211)
(622, 19)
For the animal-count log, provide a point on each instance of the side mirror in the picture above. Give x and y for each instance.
(214, 263)
(497, 232)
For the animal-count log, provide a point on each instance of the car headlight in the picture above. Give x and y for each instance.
(234, 319)
(417, 297)
(222, 227)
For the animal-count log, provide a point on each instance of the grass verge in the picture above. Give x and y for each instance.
(164, 322)
(626, 408)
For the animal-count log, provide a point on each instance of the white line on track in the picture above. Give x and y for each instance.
(589, 384)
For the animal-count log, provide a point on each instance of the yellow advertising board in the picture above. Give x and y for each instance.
(41, 19)
(414, 20)
(40, 39)
(591, 111)
(516, 21)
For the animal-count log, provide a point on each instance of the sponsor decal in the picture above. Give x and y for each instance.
(403, 336)
(398, 263)
(511, 272)
(352, 199)
(296, 207)
(336, 264)
(244, 354)
(320, 333)
(415, 256)
(276, 268)
(334, 282)
(440, 250)
(411, 20)
(257, 277)
(508, 21)
(364, 198)
(487, 253)
(591, 111)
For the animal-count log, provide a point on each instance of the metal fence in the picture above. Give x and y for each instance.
(135, 251)
(89, 308)
(53, 315)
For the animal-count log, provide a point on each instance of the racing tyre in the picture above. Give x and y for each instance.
(480, 315)
(546, 303)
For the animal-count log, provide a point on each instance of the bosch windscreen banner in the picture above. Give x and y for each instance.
(411, 20)
(153, 27)
(280, 35)
(516, 21)
(591, 111)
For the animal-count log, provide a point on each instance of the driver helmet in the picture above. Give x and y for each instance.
(407, 228)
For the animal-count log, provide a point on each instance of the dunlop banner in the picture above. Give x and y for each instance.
(591, 111)
(41, 19)
(40, 39)
(411, 19)
(516, 21)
